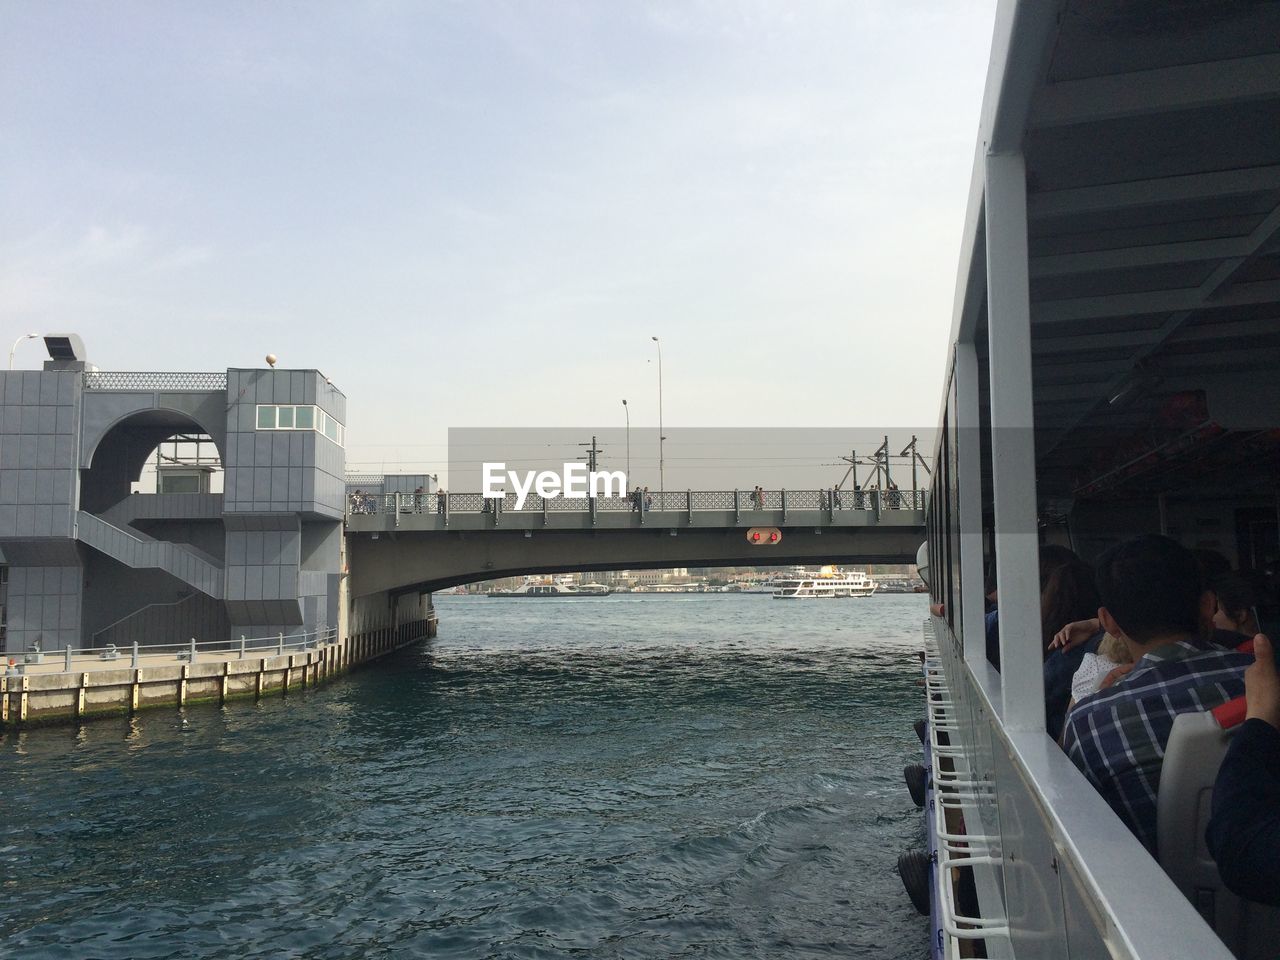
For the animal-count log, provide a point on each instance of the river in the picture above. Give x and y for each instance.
(627, 776)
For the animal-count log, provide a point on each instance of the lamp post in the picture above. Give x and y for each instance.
(662, 463)
(14, 348)
(627, 411)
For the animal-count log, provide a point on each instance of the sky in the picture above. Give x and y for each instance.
(478, 214)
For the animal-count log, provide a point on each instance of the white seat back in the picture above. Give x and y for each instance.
(1191, 761)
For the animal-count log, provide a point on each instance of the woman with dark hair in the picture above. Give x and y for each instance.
(1068, 594)
(1052, 558)
(1238, 595)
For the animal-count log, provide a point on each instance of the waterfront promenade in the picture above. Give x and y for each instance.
(74, 685)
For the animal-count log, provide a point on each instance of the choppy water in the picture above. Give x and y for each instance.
(673, 776)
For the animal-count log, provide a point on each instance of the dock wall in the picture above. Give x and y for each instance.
(41, 698)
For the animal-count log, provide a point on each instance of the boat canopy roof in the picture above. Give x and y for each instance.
(1150, 134)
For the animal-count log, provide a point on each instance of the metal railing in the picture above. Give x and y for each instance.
(150, 380)
(682, 501)
(109, 656)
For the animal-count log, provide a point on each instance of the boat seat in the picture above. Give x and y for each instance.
(1194, 753)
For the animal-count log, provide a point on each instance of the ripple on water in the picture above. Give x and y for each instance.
(683, 777)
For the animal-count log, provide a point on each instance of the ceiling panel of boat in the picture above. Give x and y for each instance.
(1103, 37)
(1154, 233)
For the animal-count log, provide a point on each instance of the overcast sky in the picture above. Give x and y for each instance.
(478, 213)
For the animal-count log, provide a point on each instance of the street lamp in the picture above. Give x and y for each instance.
(627, 411)
(662, 463)
(14, 349)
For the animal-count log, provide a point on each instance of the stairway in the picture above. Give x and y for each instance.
(134, 549)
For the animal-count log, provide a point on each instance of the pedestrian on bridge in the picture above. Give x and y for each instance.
(637, 500)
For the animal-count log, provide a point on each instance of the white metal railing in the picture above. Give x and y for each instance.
(152, 380)
(955, 791)
(189, 652)
(681, 501)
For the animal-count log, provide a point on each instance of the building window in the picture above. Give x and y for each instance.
(293, 417)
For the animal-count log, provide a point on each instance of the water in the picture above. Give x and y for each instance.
(663, 776)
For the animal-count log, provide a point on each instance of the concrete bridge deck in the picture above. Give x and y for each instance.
(429, 542)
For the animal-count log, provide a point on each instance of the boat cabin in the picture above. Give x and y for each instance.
(1113, 370)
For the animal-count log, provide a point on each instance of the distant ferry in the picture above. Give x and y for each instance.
(828, 583)
(562, 590)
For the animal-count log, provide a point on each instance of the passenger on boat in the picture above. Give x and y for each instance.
(1105, 658)
(1105, 661)
(1052, 556)
(1235, 598)
(1068, 594)
(1152, 602)
(1244, 830)
(1235, 622)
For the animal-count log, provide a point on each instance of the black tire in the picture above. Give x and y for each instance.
(917, 778)
(913, 868)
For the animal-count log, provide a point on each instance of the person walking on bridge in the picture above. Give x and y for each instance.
(637, 500)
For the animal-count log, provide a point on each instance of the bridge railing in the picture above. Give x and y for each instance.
(683, 501)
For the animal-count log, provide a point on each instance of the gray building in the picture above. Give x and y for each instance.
(90, 562)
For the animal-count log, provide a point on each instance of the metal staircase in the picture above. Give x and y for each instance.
(134, 549)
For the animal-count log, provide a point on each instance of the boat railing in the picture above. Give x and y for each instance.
(956, 792)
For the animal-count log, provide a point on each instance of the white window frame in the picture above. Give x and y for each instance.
(319, 420)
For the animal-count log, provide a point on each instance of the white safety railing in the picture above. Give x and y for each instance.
(191, 651)
(954, 792)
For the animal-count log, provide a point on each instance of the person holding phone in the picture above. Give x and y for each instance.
(1244, 828)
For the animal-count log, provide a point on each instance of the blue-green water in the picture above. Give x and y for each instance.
(671, 776)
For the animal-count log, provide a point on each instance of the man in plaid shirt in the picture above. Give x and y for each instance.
(1153, 601)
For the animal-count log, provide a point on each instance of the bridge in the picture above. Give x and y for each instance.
(88, 560)
(408, 542)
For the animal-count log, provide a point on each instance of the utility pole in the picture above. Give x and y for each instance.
(662, 438)
(882, 457)
(627, 410)
(590, 456)
(916, 460)
(852, 460)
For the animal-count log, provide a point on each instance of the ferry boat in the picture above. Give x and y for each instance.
(555, 589)
(827, 583)
(1111, 371)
